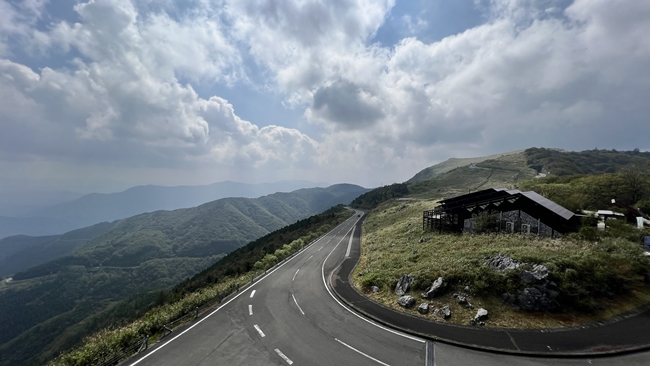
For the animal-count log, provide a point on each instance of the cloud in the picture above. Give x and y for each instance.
(548, 73)
(347, 105)
(123, 101)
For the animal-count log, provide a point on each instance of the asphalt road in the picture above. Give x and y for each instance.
(290, 317)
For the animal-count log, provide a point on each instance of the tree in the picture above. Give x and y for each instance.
(635, 182)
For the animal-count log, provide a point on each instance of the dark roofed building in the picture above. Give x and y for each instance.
(510, 210)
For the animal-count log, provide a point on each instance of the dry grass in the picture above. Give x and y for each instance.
(391, 247)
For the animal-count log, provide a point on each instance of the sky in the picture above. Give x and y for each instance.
(102, 95)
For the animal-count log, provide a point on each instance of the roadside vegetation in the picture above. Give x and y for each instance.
(597, 277)
(219, 280)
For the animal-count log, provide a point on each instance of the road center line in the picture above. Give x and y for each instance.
(347, 254)
(310, 257)
(253, 293)
(257, 327)
(320, 248)
(361, 353)
(283, 356)
(295, 274)
(296, 301)
(250, 309)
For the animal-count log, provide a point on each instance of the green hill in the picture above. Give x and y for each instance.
(20, 252)
(512, 169)
(150, 251)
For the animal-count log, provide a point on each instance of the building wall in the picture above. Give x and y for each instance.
(518, 218)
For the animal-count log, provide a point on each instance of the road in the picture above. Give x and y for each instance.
(290, 317)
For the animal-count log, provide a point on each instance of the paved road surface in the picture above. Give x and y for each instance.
(290, 318)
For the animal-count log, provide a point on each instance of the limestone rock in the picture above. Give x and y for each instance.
(532, 300)
(403, 284)
(423, 308)
(434, 289)
(461, 300)
(375, 289)
(481, 315)
(436, 312)
(406, 301)
(503, 262)
(445, 312)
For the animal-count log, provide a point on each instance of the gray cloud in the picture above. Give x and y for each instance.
(347, 105)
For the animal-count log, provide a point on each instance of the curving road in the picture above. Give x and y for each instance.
(291, 317)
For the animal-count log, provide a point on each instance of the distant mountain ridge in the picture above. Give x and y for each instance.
(98, 207)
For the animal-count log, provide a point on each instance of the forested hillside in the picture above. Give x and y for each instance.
(20, 252)
(152, 251)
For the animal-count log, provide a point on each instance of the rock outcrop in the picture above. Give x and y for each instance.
(406, 301)
(403, 284)
(434, 289)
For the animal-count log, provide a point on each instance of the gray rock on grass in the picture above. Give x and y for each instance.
(423, 308)
(406, 301)
(481, 315)
(445, 312)
(403, 284)
(434, 289)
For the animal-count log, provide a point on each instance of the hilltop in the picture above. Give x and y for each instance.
(458, 176)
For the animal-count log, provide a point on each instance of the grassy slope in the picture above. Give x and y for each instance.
(453, 163)
(461, 258)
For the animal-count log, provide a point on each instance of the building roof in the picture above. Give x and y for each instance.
(495, 193)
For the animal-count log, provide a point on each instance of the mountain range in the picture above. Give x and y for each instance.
(94, 208)
(53, 303)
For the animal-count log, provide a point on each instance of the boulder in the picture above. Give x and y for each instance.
(503, 262)
(481, 315)
(403, 284)
(461, 300)
(423, 308)
(375, 289)
(434, 289)
(532, 300)
(538, 274)
(509, 298)
(406, 301)
(436, 312)
(445, 312)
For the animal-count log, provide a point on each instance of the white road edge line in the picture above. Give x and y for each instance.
(257, 328)
(250, 309)
(253, 293)
(295, 274)
(361, 353)
(283, 356)
(296, 301)
(352, 312)
(224, 304)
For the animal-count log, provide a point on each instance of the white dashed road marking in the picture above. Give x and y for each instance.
(257, 327)
(253, 293)
(283, 356)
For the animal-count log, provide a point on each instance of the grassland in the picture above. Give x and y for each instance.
(597, 280)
